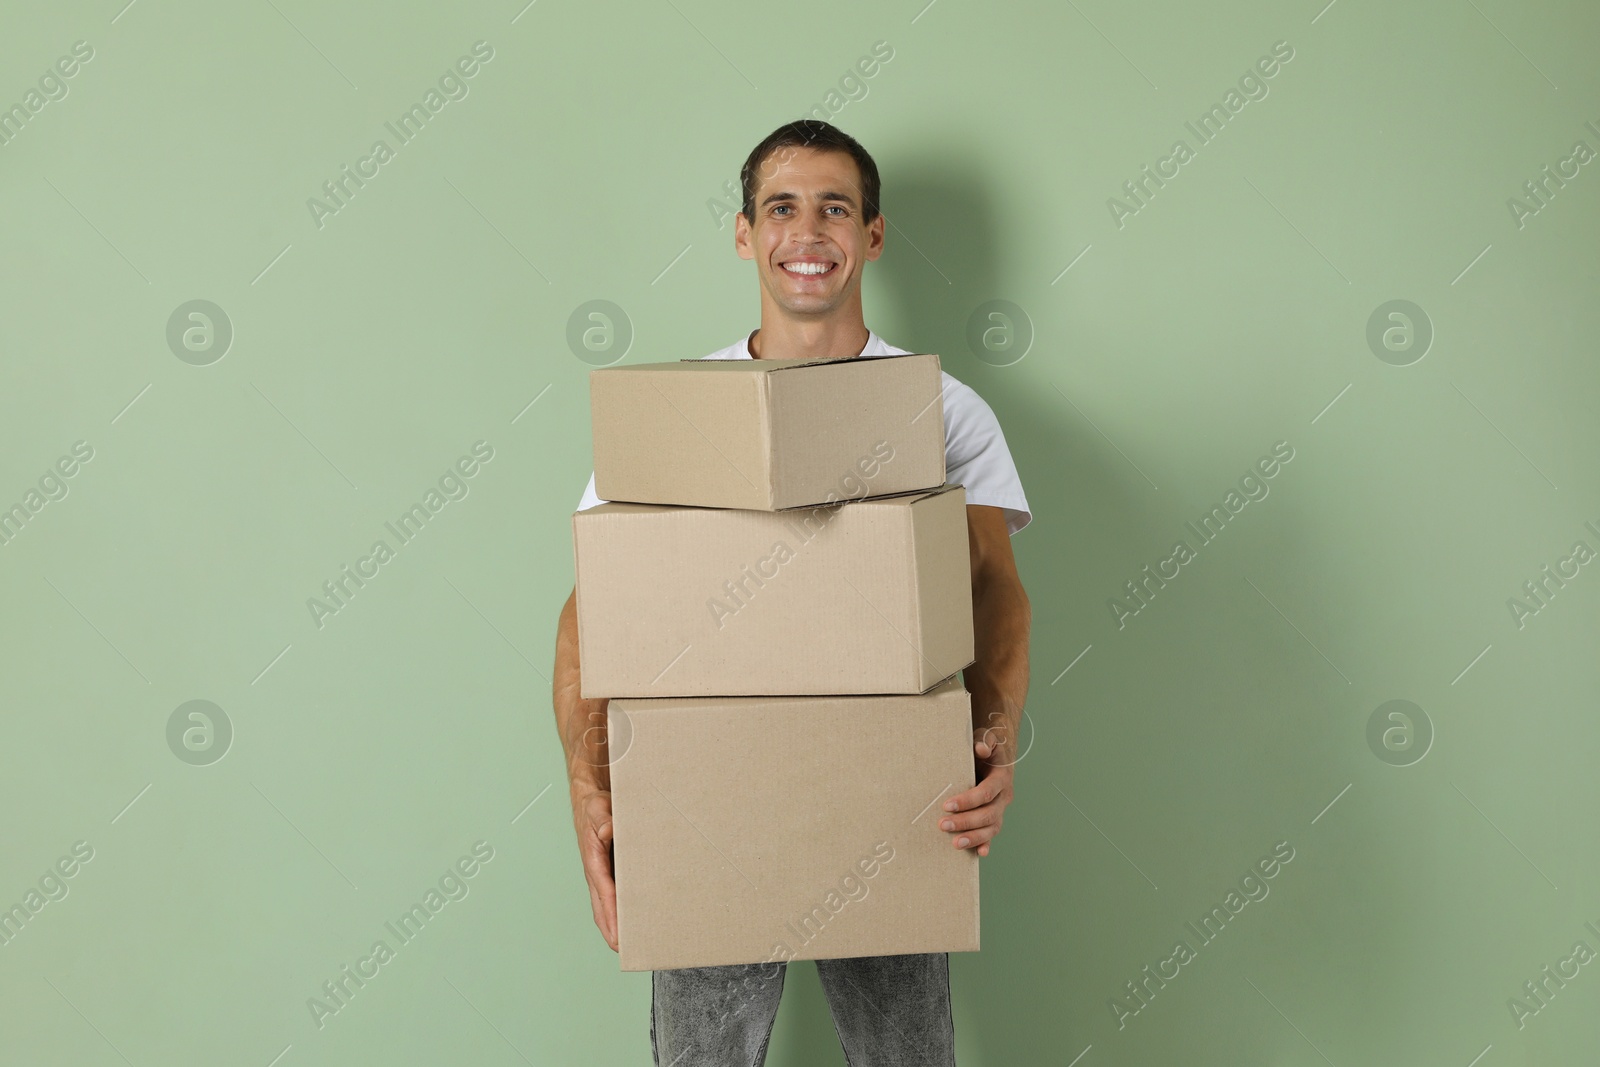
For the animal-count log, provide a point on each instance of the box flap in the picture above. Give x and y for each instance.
(788, 364)
(906, 496)
(728, 434)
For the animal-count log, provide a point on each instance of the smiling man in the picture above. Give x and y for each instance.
(811, 222)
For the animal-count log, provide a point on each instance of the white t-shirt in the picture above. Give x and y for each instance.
(975, 451)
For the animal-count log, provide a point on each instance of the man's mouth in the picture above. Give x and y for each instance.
(805, 269)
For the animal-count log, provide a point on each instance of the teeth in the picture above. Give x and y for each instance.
(808, 268)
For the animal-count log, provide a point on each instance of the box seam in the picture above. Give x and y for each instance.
(916, 577)
(768, 457)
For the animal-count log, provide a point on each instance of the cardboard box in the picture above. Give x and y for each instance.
(762, 829)
(872, 596)
(767, 433)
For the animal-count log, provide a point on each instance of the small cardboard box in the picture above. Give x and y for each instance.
(765, 829)
(767, 434)
(872, 596)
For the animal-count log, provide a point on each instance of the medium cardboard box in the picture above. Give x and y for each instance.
(765, 829)
(767, 433)
(872, 596)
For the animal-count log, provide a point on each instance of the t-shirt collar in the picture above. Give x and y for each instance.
(874, 347)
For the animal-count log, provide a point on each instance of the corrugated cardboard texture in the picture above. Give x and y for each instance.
(767, 434)
(872, 596)
(746, 828)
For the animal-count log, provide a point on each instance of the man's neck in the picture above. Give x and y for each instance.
(822, 340)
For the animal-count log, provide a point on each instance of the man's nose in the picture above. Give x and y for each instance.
(807, 222)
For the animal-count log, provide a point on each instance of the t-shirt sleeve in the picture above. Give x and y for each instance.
(589, 498)
(977, 457)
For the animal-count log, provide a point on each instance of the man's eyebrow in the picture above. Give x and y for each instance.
(776, 197)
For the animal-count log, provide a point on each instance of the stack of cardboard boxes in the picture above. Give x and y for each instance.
(777, 601)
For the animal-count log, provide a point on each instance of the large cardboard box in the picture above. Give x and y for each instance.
(765, 829)
(872, 596)
(767, 433)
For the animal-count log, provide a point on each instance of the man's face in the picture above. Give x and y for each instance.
(808, 218)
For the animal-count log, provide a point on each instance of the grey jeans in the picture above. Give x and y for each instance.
(889, 1011)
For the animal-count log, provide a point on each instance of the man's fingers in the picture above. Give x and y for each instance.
(597, 864)
(977, 796)
(602, 885)
(592, 816)
(605, 915)
(973, 818)
(992, 736)
(594, 845)
(978, 836)
(972, 828)
(970, 820)
(608, 928)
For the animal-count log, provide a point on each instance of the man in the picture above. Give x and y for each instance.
(811, 222)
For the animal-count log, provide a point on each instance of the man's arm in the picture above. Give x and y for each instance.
(997, 679)
(581, 725)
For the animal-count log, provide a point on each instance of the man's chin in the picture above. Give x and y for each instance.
(808, 308)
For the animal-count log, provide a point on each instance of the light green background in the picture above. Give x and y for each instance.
(370, 353)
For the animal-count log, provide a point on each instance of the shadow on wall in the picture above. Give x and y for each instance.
(1066, 920)
(939, 258)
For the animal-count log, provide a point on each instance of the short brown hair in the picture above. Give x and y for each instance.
(812, 133)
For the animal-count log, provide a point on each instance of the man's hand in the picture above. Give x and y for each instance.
(981, 809)
(997, 679)
(591, 814)
(581, 726)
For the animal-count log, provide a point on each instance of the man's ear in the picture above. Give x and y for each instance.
(875, 237)
(741, 237)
